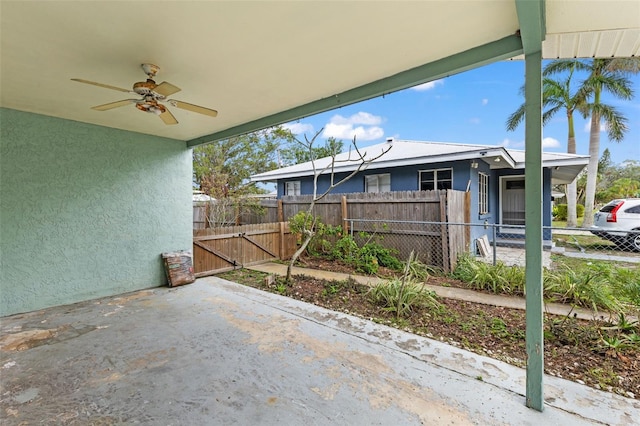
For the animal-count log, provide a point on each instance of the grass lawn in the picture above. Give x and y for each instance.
(585, 242)
(583, 266)
(563, 223)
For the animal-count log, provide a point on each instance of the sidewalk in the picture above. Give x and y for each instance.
(446, 292)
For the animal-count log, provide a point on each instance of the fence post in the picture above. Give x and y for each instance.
(443, 232)
(282, 242)
(495, 244)
(280, 211)
(467, 219)
(343, 204)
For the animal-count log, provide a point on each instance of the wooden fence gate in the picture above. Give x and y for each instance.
(217, 250)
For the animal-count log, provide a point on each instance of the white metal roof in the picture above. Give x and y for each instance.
(401, 153)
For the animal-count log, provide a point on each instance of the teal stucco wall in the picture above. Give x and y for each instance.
(86, 211)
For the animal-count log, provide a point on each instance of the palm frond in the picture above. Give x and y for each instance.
(616, 123)
(515, 119)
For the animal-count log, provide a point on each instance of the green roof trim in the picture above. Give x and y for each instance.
(504, 48)
(532, 24)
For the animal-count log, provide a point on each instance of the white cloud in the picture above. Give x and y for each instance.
(359, 118)
(485, 101)
(508, 143)
(474, 120)
(587, 126)
(550, 143)
(341, 127)
(427, 86)
(546, 143)
(298, 128)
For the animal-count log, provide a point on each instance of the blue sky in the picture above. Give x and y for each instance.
(470, 107)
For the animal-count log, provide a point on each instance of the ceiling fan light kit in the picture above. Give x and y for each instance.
(152, 94)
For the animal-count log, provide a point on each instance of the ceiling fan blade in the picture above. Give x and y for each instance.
(194, 108)
(168, 118)
(166, 89)
(106, 86)
(112, 105)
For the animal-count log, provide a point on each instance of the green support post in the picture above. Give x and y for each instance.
(533, 231)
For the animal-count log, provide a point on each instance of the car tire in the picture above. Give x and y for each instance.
(633, 240)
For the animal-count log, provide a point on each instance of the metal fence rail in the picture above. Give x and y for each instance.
(491, 243)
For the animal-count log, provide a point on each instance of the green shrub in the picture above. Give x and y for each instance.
(418, 271)
(383, 255)
(484, 276)
(367, 258)
(589, 289)
(401, 297)
(560, 211)
(323, 235)
(345, 249)
(597, 286)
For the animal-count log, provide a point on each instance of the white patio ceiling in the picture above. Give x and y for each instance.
(261, 63)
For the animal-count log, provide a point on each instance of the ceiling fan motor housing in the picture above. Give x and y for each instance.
(144, 87)
(151, 107)
(152, 94)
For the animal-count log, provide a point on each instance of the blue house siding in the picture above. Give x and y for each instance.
(465, 177)
(402, 178)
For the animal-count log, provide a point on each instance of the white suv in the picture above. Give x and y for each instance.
(619, 221)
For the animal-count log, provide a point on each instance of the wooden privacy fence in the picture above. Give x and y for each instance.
(221, 249)
(217, 250)
(436, 245)
(436, 239)
(216, 213)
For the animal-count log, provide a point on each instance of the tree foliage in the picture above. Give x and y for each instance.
(296, 153)
(561, 95)
(222, 168)
(605, 75)
(614, 180)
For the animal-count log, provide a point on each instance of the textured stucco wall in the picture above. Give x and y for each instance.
(86, 211)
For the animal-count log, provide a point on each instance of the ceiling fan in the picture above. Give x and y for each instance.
(153, 97)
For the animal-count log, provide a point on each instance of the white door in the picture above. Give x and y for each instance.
(512, 203)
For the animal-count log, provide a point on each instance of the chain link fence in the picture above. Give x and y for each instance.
(439, 244)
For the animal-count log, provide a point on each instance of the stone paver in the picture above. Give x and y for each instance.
(513, 256)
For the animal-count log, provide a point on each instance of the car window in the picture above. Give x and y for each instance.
(634, 209)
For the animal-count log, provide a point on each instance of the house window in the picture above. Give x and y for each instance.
(436, 179)
(483, 193)
(377, 183)
(292, 187)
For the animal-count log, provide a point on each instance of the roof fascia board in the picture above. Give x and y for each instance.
(532, 24)
(559, 163)
(477, 154)
(504, 48)
(508, 158)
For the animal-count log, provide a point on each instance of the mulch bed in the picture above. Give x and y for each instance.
(573, 348)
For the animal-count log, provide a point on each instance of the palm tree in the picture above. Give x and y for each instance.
(605, 75)
(556, 96)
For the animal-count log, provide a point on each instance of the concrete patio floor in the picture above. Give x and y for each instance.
(219, 353)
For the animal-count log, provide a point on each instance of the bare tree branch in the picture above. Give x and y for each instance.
(358, 157)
